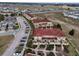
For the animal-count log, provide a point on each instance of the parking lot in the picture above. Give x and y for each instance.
(14, 48)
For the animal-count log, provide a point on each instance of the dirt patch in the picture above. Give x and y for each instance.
(4, 42)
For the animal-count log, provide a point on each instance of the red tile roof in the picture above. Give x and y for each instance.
(29, 54)
(40, 20)
(48, 32)
(7, 12)
(30, 15)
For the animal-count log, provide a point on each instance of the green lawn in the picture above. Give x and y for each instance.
(72, 51)
(17, 26)
(50, 47)
(42, 46)
(34, 46)
(28, 51)
(29, 43)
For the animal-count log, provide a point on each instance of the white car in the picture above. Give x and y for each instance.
(16, 54)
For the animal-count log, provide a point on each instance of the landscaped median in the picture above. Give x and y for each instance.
(17, 26)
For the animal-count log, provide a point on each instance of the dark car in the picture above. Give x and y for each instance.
(22, 40)
(25, 37)
(26, 31)
(25, 23)
(21, 45)
(18, 51)
(27, 26)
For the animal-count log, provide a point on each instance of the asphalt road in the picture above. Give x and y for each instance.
(18, 36)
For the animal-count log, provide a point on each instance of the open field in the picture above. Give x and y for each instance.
(38, 7)
(59, 16)
(4, 42)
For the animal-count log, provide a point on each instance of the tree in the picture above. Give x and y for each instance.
(57, 26)
(6, 15)
(71, 32)
(28, 51)
(13, 14)
(1, 17)
(66, 49)
(68, 9)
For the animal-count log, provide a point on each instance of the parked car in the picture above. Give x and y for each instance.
(16, 54)
(22, 40)
(25, 23)
(21, 45)
(26, 31)
(27, 26)
(24, 37)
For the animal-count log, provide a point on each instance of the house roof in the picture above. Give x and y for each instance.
(7, 12)
(40, 20)
(30, 15)
(48, 32)
(29, 54)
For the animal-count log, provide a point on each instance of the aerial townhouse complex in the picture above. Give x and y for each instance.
(53, 37)
(46, 37)
(39, 30)
(42, 23)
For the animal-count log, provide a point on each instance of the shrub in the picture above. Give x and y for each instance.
(1, 17)
(50, 47)
(42, 46)
(34, 46)
(71, 32)
(29, 43)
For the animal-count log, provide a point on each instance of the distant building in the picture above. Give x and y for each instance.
(39, 22)
(73, 14)
(8, 13)
(70, 7)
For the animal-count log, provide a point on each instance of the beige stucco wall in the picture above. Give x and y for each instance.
(42, 24)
